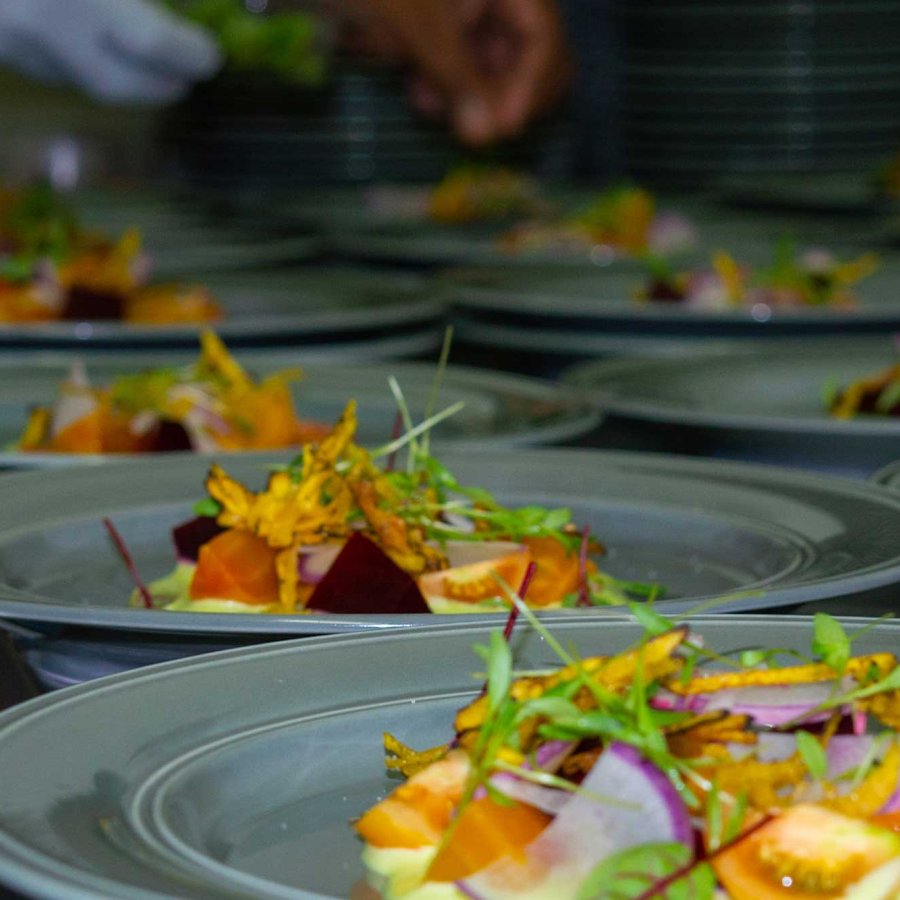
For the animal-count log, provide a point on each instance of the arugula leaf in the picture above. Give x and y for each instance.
(653, 623)
(813, 754)
(636, 871)
(830, 642)
(498, 657)
(207, 507)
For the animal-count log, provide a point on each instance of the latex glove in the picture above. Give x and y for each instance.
(489, 66)
(115, 50)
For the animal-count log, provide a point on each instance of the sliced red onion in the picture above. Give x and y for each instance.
(893, 803)
(141, 267)
(817, 261)
(76, 400)
(643, 808)
(667, 700)
(547, 799)
(549, 755)
(671, 233)
(315, 560)
(706, 290)
(772, 705)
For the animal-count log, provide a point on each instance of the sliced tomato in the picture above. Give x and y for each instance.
(805, 853)
(418, 812)
(486, 831)
(557, 571)
(84, 435)
(236, 565)
(477, 581)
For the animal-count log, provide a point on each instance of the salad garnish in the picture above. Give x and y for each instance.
(654, 774)
(621, 221)
(483, 193)
(877, 394)
(52, 268)
(335, 531)
(212, 404)
(794, 279)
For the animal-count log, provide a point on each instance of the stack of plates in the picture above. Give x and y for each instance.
(712, 86)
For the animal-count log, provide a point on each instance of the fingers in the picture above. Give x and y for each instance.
(540, 69)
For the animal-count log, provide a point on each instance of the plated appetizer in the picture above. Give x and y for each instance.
(877, 394)
(52, 269)
(622, 221)
(666, 771)
(485, 193)
(811, 278)
(210, 405)
(336, 532)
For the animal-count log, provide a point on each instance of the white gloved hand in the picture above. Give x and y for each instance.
(115, 50)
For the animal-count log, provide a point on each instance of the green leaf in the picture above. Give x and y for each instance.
(499, 662)
(813, 754)
(830, 642)
(207, 507)
(888, 398)
(831, 390)
(651, 620)
(635, 871)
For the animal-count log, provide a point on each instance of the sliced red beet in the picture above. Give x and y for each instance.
(86, 304)
(170, 437)
(363, 579)
(190, 536)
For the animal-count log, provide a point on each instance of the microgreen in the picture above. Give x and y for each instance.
(888, 398)
(633, 872)
(207, 507)
(813, 754)
(830, 642)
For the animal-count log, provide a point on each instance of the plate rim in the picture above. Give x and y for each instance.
(647, 410)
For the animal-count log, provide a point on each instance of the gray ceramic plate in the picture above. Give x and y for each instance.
(889, 475)
(765, 401)
(277, 307)
(701, 528)
(500, 410)
(600, 302)
(238, 774)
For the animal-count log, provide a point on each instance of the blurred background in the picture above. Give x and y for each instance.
(679, 94)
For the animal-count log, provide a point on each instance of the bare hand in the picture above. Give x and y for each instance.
(488, 66)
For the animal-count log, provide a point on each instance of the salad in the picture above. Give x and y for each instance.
(877, 394)
(666, 771)
(210, 405)
(623, 221)
(337, 532)
(483, 193)
(51, 268)
(812, 278)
